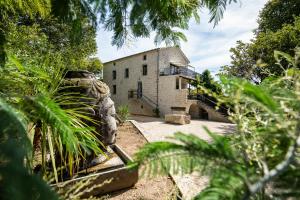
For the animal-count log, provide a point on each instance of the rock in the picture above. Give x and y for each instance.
(177, 119)
(98, 160)
(103, 108)
(107, 114)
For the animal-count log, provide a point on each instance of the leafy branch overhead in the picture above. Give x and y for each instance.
(125, 18)
(139, 18)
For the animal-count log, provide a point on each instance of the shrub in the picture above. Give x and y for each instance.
(123, 112)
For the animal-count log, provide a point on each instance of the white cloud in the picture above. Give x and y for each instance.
(207, 47)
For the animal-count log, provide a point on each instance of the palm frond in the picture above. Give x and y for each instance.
(15, 148)
(69, 132)
(189, 153)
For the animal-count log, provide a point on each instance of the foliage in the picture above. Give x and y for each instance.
(278, 29)
(34, 40)
(138, 18)
(15, 147)
(123, 112)
(50, 36)
(276, 13)
(124, 18)
(260, 160)
(80, 188)
(207, 81)
(255, 61)
(242, 63)
(156, 111)
(36, 93)
(94, 65)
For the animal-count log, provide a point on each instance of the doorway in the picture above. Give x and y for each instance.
(140, 90)
(196, 112)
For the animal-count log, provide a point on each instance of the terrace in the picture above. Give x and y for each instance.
(187, 71)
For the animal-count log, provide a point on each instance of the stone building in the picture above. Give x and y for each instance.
(158, 79)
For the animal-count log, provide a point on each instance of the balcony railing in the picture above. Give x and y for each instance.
(184, 71)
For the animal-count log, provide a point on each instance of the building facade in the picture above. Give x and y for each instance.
(154, 80)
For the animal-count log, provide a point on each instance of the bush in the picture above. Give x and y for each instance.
(156, 112)
(123, 112)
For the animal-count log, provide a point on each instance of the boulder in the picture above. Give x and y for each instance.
(102, 107)
(177, 119)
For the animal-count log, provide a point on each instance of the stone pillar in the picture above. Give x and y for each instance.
(180, 83)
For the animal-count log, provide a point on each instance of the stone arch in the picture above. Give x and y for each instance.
(197, 112)
(194, 111)
(203, 114)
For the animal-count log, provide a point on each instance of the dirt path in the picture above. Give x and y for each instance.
(130, 140)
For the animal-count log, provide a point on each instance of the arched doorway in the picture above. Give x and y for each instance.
(196, 112)
(203, 114)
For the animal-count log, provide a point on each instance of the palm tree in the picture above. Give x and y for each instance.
(54, 116)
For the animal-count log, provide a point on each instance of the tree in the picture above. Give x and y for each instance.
(125, 18)
(260, 160)
(32, 40)
(207, 82)
(255, 60)
(278, 29)
(277, 13)
(94, 65)
(242, 63)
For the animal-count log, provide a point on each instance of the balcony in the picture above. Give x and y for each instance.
(176, 69)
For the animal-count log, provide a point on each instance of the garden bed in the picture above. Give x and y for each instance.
(131, 140)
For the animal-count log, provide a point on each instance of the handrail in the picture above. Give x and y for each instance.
(149, 100)
(134, 94)
(209, 102)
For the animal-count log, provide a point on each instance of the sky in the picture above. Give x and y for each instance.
(207, 47)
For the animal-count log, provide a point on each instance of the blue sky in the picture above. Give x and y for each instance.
(207, 47)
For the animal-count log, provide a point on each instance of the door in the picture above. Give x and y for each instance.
(140, 90)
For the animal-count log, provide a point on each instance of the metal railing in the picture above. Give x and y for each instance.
(209, 101)
(185, 71)
(135, 94)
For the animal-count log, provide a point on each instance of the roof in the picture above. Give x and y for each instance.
(148, 52)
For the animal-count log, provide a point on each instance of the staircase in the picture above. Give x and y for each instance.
(210, 106)
(133, 94)
(146, 99)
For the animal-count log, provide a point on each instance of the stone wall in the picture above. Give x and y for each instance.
(170, 96)
(157, 59)
(213, 115)
(123, 85)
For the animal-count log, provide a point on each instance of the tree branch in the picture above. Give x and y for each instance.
(279, 169)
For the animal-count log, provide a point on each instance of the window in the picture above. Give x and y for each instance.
(126, 73)
(114, 89)
(145, 71)
(145, 57)
(177, 83)
(114, 74)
